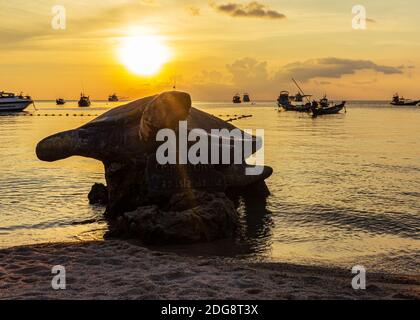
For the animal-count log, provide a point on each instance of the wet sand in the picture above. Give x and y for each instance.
(120, 270)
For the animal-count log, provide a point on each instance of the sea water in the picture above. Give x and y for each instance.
(345, 189)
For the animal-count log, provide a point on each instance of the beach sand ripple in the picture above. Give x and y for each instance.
(120, 270)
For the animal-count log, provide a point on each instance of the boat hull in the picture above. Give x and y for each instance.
(236, 99)
(290, 107)
(411, 103)
(11, 106)
(330, 110)
(84, 103)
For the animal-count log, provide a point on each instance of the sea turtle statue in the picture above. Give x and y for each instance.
(124, 139)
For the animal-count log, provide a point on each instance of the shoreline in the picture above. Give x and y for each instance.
(121, 270)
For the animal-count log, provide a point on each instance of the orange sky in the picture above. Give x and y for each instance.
(217, 48)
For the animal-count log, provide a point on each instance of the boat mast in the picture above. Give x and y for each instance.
(174, 81)
(301, 91)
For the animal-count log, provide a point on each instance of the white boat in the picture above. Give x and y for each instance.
(13, 103)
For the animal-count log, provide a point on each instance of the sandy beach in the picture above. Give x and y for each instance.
(120, 270)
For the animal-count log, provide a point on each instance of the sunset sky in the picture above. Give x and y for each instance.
(216, 48)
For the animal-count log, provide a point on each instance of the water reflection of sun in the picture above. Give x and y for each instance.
(144, 55)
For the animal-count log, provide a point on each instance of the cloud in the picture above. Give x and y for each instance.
(407, 66)
(148, 2)
(331, 68)
(253, 9)
(323, 83)
(249, 74)
(194, 11)
(209, 77)
(365, 83)
(248, 71)
(91, 22)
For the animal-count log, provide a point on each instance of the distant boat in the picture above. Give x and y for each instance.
(401, 101)
(60, 101)
(293, 103)
(113, 98)
(84, 101)
(246, 98)
(326, 107)
(237, 98)
(11, 102)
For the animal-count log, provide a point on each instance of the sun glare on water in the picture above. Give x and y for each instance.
(144, 55)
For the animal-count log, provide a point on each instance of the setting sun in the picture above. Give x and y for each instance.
(143, 55)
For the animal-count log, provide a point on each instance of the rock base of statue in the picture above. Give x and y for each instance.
(188, 217)
(98, 195)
